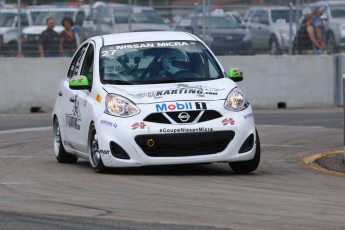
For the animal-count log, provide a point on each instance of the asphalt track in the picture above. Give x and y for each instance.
(36, 192)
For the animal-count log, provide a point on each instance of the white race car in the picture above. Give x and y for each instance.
(152, 98)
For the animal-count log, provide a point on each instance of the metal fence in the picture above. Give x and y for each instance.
(227, 27)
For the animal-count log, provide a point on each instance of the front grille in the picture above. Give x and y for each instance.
(184, 144)
(207, 115)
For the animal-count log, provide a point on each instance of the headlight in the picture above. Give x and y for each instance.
(120, 106)
(235, 101)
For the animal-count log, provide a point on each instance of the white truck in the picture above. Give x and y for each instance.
(9, 29)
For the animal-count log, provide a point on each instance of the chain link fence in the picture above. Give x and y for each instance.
(228, 27)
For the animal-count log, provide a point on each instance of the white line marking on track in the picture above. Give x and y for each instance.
(26, 130)
(22, 157)
(15, 183)
(284, 146)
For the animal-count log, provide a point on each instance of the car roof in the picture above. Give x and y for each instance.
(11, 10)
(53, 9)
(269, 8)
(327, 3)
(122, 38)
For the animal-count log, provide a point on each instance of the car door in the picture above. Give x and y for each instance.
(82, 105)
(70, 113)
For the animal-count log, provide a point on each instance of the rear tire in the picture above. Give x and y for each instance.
(243, 167)
(61, 155)
(94, 154)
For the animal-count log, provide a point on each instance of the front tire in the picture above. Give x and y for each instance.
(61, 155)
(243, 167)
(94, 153)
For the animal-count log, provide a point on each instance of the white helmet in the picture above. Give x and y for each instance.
(175, 60)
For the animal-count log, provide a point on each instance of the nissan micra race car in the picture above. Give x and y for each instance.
(152, 98)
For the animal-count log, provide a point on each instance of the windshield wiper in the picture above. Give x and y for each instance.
(117, 82)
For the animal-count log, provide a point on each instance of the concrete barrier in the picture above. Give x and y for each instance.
(297, 81)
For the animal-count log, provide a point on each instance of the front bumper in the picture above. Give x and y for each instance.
(133, 142)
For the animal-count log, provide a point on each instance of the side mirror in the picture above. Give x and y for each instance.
(235, 74)
(79, 83)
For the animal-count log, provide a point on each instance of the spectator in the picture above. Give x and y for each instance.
(305, 42)
(319, 27)
(49, 40)
(68, 40)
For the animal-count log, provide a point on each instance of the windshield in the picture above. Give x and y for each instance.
(218, 22)
(7, 19)
(338, 11)
(284, 15)
(41, 17)
(157, 62)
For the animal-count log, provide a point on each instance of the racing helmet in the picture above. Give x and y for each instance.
(175, 60)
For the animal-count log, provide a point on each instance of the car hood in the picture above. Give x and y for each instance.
(39, 29)
(340, 21)
(155, 93)
(4, 30)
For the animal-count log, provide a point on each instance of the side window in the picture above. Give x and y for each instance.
(24, 20)
(80, 17)
(256, 16)
(264, 17)
(87, 68)
(248, 15)
(75, 66)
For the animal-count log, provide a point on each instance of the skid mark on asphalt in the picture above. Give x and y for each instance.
(310, 162)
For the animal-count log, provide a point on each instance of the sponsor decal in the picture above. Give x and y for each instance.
(228, 121)
(73, 118)
(77, 78)
(112, 50)
(248, 116)
(183, 89)
(108, 123)
(99, 98)
(104, 151)
(186, 130)
(177, 106)
(139, 125)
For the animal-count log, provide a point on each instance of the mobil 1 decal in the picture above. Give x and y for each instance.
(180, 106)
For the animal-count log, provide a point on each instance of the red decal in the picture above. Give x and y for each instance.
(227, 121)
(140, 125)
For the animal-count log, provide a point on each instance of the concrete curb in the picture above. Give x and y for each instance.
(311, 162)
